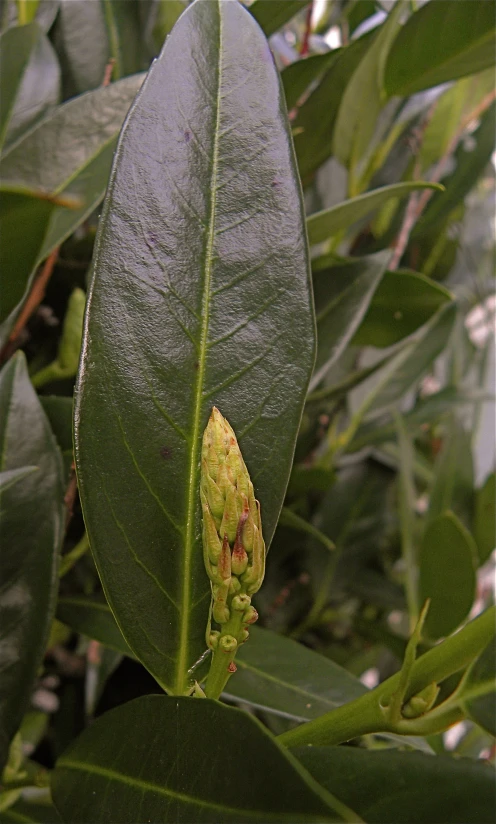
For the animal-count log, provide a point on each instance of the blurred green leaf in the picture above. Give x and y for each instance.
(342, 297)
(123, 28)
(362, 100)
(296, 522)
(407, 496)
(404, 787)
(441, 42)
(453, 486)
(272, 14)
(324, 225)
(479, 691)
(92, 617)
(97, 782)
(30, 80)
(446, 574)
(485, 518)
(298, 76)
(201, 278)
(402, 303)
(25, 812)
(314, 125)
(73, 166)
(164, 15)
(32, 520)
(82, 41)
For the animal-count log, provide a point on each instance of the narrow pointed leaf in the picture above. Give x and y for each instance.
(200, 297)
(446, 574)
(272, 14)
(16, 46)
(71, 166)
(323, 225)
(32, 519)
(191, 760)
(453, 486)
(440, 42)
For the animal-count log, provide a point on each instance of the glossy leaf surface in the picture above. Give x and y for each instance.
(181, 769)
(29, 558)
(446, 574)
(200, 297)
(272, 14)
(485, 518)
(404, 787)
(402, 303)
(81, 136)
(342, 297)
(324, 225)
(440, 42)
(284, 677)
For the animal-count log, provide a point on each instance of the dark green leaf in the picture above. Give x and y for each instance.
(200, 296)
(485, 518)
(298, 76)
(191, 760)
(59, 412)
(296, 522)
(24, 812)
(284, 677)
(362, 100)
(32, 520)
(324, 225)
(440, 42)
(272, 14)
(446, 574)
(73, 166)
(35, 84)
(83, 44)
(342, 297)
(404, 787)
(453, 486)
(314, 125)
(92, 617)
(479, 691)
(163, 17)
(402, 302)
(123, 27)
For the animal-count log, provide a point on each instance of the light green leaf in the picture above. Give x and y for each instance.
(446, 574)
(200, 297)
(408, 787)
(440, 42)
(324, 225)
(479, 691)
(32, 516)
(187, 763)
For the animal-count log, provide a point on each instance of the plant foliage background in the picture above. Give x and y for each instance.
(374, 464)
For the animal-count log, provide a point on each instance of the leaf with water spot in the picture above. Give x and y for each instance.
(200, 296)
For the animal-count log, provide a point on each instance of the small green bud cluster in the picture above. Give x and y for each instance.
(422, 702)
(233, 545)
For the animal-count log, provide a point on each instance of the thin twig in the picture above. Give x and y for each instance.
(418, 202)
(109, 68)
(308, 30)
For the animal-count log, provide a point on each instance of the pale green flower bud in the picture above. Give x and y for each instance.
(227, 643)
(241, 602)
(422, 702)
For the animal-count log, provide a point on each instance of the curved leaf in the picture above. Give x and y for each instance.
(32, 521)
(16, 46)
(191, 760)
(55, 157)
(272, 14)
(453, 486)
(83, 44)
(440, 42)
(200, 297)
(446, 574)
(323, 225)
(297, 77)
(404, 787)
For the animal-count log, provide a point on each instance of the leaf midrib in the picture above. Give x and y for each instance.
(192, 491)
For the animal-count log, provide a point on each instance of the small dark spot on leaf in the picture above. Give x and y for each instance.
(187, 135)
(166, 453)
(197, 365)
(275, 183)
(151, 238)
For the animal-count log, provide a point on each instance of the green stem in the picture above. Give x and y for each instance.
(366, 714)
(67, 561)
(219, 672)
(52, 372)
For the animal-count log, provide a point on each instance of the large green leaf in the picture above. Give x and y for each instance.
(362, 99)
(342, 297)
(298, 76)
(272, 14)
(30, 79)
(191, 760)
(446, 574)
(479, 691)
(200, 296)
(70, 153)
(32, 520)
(440, 42)
(314, 125)
(402, 303)
(323, 225)
(404, 787)
(485, 518)
(453, 486)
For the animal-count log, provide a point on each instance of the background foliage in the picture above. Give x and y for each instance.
(391, 493)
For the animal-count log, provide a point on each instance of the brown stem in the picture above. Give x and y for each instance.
(308, 31)
(109, 68)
